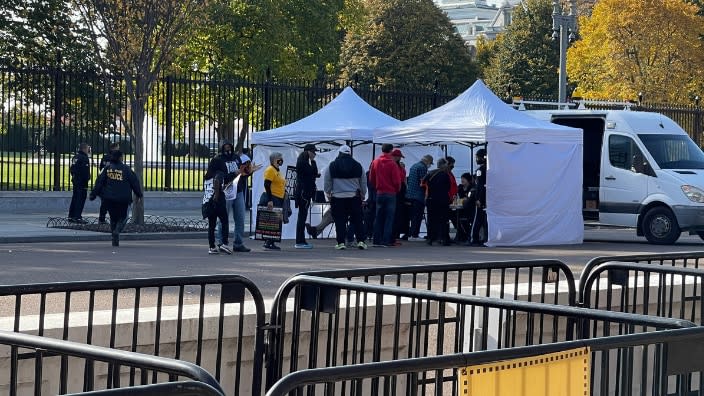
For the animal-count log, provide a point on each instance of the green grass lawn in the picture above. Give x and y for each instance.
(18, 175)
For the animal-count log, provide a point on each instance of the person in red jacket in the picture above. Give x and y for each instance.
(386, 177)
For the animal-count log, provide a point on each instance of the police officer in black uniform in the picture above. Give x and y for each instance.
(103, 163)
(80, 174)
(115, 186)
(480, 188)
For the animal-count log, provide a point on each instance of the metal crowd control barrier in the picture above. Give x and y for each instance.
(80, 370)
(672, 292)
(492, 278)
(214, 321)
(335, 322)
(674, 259)
(186, 388)
(663, 370)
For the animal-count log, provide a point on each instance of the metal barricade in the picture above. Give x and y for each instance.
(214, 321)
(671, 292)
(82, 366)
(662, 369)
(332, 322)
(674, 259)
(492, 278)
(186, 388)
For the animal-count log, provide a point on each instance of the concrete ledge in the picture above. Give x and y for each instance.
(59, 201)
(100, 236)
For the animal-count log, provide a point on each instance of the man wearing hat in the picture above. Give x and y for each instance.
(306, 173)
(416, 194)
(346, 186)
(386, 177)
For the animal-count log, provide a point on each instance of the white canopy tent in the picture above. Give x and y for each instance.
(347, 119)
(534, 176)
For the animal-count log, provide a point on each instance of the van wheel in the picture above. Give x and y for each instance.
(660, 226)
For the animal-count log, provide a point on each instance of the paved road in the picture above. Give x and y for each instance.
(86, 260)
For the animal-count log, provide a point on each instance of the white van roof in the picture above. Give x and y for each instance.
(640, 122)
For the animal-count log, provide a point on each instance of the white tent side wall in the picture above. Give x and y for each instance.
(534, 194)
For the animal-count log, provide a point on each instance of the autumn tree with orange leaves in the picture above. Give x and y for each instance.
(628, 47)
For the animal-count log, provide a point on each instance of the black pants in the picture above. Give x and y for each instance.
(303, 206)
(402, 217)
(417, 210)
(103, 210)
(220, 213)
(369, 215)
(78, 201)
(344, 210)
(479, 223)
(118, 215)
(438, 211)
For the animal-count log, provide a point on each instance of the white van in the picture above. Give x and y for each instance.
(640, 170)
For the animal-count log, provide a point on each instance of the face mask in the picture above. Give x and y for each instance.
(481, 161)
(227, 152)
(280, 162)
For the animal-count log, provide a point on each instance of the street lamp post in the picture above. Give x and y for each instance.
(564, 27)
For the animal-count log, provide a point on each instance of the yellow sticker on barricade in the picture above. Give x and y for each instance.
(555, 374)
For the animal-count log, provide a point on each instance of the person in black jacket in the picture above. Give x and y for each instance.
(306, 173)
(103, 163)
(480, 188)
(437, 201)
(80, 175)
(114, 186)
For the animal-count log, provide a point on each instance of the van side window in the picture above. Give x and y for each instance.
(625, 154)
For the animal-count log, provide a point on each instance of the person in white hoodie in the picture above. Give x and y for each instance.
(345, 185)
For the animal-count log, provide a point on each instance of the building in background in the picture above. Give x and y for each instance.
(475, 18)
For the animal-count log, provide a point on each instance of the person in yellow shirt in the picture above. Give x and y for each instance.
(274, 189)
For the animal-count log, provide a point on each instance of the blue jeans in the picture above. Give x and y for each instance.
(384, 221)
(237, 207)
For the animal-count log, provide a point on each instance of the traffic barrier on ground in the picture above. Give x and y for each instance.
(673, 259)
(339, 322)
(492, 278)
(86, 367)
(666, 373)
(185, 388)
(200, 319)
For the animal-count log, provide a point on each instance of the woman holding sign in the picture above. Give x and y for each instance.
(274, 192)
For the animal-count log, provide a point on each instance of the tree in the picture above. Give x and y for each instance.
(526, 58)
(634, 46)
(407, 43)
(139, 38)
(34, 32)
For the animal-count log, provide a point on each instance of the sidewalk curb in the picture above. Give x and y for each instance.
(147, 236)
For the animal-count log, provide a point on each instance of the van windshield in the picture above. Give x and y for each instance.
(674, 151)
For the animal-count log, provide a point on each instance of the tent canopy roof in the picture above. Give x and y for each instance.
(347, 117)
(476, 115)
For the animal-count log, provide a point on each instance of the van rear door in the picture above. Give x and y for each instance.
(624, 183)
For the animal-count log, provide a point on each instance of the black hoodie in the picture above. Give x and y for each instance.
(228, 163)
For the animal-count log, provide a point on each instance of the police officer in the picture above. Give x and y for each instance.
(103, 163)
(115, 186)
(80, 174)
(480, 188)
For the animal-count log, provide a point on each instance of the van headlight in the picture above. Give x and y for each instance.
(693, 193)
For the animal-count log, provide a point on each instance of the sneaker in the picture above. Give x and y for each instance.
(416, 239)
(213, 250)
(81, 221)
(362, 246)
(241, 248)
(224, 249)
(303, 246)
(340, 246)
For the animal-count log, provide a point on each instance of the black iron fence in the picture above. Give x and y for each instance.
(86, 367)
(46, 113)
(337, 322)
(653, 363)
(214, 321)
